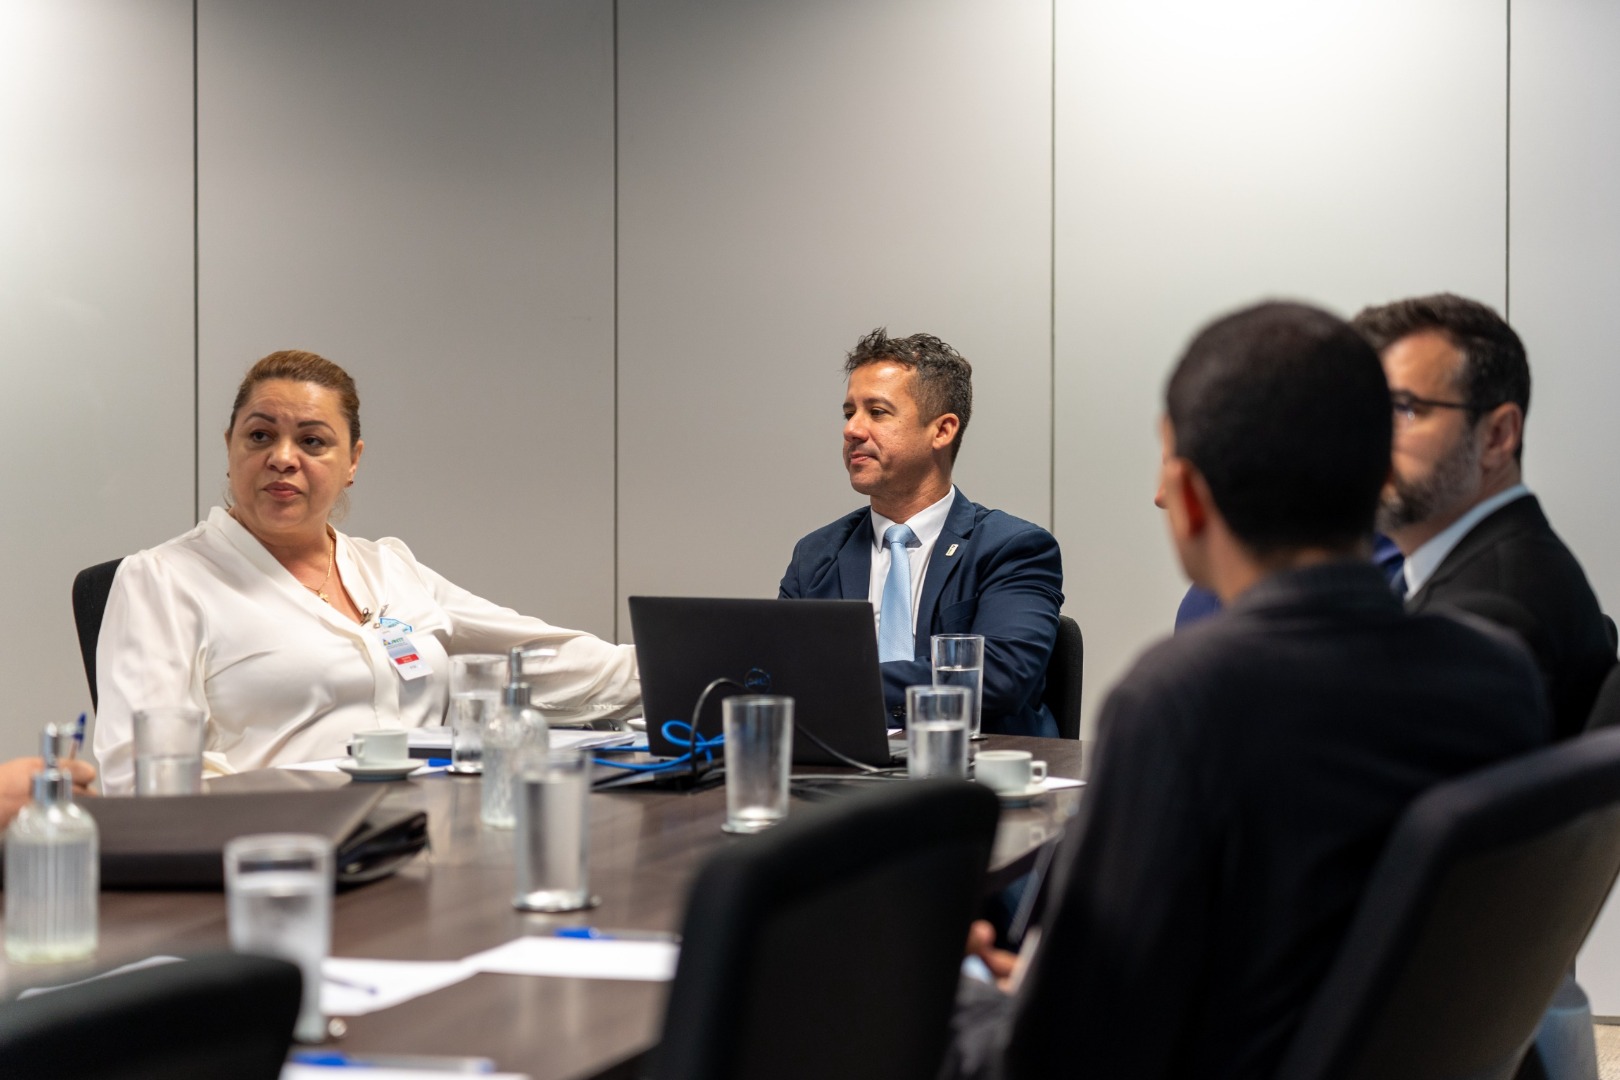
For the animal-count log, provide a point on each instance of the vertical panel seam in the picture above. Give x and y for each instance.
(616, 553)
(1051, 285)
(196, 280)
(1507, 173)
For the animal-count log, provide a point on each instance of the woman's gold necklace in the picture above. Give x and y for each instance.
(331, 557)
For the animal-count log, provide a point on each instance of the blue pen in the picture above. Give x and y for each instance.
(591, 933)
(334, 1059)
(78, 738)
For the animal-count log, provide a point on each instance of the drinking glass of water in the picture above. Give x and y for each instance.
(959, 661)
(759, 753)
(169, 750)
(551, 792)
(937, 731)
(475, 690)
(278, 891)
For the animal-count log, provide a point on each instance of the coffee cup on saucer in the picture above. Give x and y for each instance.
(1009, 772)
(380, 748)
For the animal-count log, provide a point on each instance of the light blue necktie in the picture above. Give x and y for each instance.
(895, 641)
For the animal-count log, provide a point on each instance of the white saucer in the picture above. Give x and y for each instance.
(1021, 798)
(379, 772)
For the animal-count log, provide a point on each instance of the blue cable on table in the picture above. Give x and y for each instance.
(679, 733)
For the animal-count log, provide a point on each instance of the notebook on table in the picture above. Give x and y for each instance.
(821, 653)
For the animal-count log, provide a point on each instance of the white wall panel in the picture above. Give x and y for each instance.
(423, 193)
(96, 306)
(791, 176)
(1565, 268)
(1210, 155)
(1565, 278)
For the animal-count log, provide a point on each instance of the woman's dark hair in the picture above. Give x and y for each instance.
(300, 366)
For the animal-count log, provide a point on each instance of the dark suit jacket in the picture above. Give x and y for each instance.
(1003, 580)
(1512, 569)
(1248, 771)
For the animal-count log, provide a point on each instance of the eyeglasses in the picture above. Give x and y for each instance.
(1409, 407)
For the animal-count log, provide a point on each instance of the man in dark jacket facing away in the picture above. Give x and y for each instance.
(1249, 769)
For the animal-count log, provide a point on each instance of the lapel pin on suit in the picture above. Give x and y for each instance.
(950, 551)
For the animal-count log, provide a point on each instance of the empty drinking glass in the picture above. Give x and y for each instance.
(759, 753)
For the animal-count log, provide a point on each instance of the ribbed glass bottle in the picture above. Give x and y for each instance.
(53, 876)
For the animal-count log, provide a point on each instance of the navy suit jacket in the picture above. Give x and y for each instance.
(990, 574)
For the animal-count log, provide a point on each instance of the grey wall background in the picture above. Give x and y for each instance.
(1564, 272)
(595, 264)
(96, 320)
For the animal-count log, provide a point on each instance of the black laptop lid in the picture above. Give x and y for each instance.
(821, 653)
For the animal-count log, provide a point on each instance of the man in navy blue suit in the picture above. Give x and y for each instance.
(930, 560)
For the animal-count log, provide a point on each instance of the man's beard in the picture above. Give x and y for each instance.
(1410, 502)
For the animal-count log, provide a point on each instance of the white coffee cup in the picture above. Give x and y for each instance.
(1008, 771)
(380, 747)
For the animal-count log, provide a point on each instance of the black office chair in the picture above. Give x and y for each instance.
(1063, 678)
(831, 945)
(1470, 921)
(90, 589)
(1606, 707)
(1613, 632)
(200, 1019)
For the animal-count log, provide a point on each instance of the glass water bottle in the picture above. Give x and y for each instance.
(53, 872)
(514, 727)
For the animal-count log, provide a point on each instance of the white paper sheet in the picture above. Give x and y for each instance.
(437, 739)
(1052, 783)
(584, 739)
(575, 958)
(355, 987)
(331, 765)
(428, 737)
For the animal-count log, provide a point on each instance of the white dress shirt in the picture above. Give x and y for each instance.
(210, 619)
(927, 524)
(1422, 563)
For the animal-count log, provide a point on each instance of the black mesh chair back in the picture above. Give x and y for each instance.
(831, 945)
(1063, 678)
(1606, 707)
(1470, 921)
(90, 589)
(201, 1019)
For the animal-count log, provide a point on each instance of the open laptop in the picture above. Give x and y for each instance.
(821, 653)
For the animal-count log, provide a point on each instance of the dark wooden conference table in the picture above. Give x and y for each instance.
(455, 900)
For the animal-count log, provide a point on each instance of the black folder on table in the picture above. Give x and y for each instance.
(178, 841)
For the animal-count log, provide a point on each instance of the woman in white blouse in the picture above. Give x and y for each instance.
(290, 635)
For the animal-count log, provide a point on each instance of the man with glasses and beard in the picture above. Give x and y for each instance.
(1474, 536)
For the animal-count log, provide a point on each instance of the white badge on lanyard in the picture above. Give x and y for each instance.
(396, 639)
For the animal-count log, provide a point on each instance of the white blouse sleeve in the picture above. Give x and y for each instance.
(588, 678)
(149, 653)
